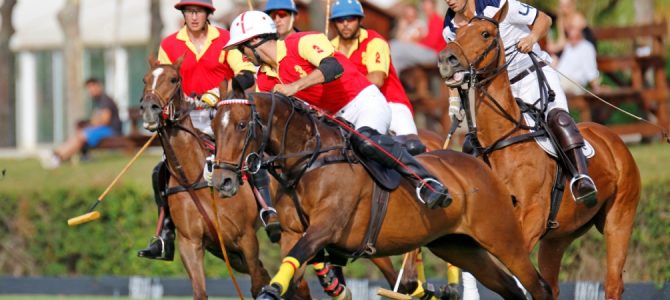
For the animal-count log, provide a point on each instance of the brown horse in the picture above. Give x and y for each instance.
(335, 198)
(529, 172)
(239, 218)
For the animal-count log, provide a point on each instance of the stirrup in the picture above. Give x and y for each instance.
(162, 242)
(422, 185)
(264, 211)
(578, 178)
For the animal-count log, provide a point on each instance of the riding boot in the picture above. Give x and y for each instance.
(582, 187)
(412, 143)
(429, 190)
(161, 246)
(268, 214)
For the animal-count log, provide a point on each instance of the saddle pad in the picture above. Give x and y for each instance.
(546, 145)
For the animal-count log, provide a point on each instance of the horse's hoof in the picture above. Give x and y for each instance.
(270, 292)
(344, 295)
(274, 232)
(450, 292)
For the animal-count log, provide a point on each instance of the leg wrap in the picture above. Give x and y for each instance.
(564, 128)
(328, 279)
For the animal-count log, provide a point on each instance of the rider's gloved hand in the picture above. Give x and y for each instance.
(211, 97)
(455, 108)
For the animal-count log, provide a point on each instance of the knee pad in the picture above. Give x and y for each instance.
(564, 128)
(370, 145)
(415, 146)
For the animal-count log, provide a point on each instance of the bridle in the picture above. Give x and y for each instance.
(248, 163)
(252, 161)
(168, 112)
(491, 70)
(477, 80)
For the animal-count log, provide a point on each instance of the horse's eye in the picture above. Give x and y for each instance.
(144, 80)
(174, 79)
(486, 34)
(241, 125)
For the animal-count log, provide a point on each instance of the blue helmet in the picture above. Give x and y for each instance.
(280, 4)
(343, 8)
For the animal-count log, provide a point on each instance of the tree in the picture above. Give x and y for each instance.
(68, 18)
(156, 28)
(7, 71)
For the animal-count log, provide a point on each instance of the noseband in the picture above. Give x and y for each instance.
(251, 163)
(168, 112)
(491, 69)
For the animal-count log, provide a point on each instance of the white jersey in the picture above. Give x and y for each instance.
(513, 28)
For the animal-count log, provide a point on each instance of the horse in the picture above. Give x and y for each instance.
(530, 173)
(162, 92)
(239, 217)
(333, 203)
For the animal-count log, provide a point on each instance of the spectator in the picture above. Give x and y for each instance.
(409, 28)
(407, 54)
(578, 59)
(104, 122)
(566, 10)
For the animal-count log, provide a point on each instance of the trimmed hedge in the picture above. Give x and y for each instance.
(35, 239)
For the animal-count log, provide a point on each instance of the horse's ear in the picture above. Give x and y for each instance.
(153, 62)
(502, 12)
(223, 88)
(179, 61)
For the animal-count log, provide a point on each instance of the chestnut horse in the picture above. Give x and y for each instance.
(238, 218)
(529, 172)
(334, 199)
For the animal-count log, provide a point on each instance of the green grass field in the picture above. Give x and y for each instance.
(27, 175)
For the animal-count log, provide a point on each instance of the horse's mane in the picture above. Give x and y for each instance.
(306, 112)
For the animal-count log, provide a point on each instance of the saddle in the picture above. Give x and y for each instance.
(388, 179)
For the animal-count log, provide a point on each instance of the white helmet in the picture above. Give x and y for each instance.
(248, 25)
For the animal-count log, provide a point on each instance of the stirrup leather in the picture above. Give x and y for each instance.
(162, 242)
(423, 184)
(264, 211)
(578, 178)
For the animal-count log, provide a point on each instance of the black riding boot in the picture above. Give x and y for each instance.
(412, 143)
(564, 128)
(268, 214)
(161, 246)
(429, 191)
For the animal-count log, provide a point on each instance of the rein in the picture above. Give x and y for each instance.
(171, 119)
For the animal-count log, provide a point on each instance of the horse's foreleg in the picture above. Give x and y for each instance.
(259, 275)
(320, 233)
(192, 252)
(549, 259)
(468, 255)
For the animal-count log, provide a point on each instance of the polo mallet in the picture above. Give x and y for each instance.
(251, 6)
(92, 215)
(327, 17)
(394, 293)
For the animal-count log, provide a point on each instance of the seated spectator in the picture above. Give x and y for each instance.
(566, 10)
(409, 28)
(104, 122)
(407, 54)
(578, 59)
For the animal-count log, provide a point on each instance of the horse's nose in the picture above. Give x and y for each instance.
(226, 186)
(452, 60)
